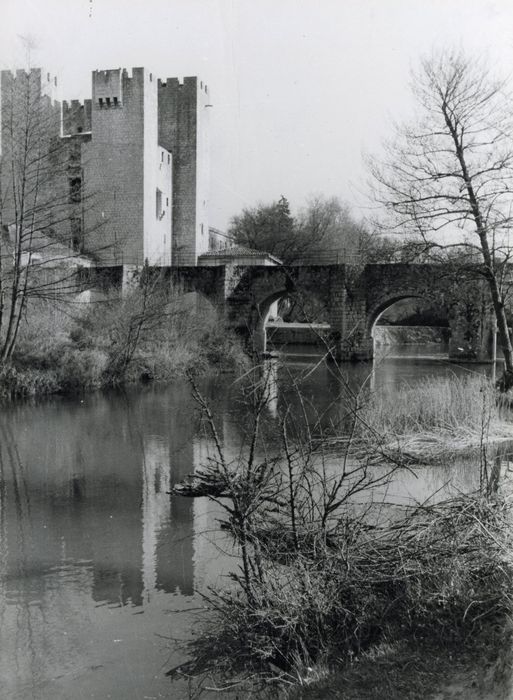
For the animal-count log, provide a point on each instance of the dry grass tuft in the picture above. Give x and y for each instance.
(435, 417)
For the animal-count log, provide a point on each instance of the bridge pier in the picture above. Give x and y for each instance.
(354, 342)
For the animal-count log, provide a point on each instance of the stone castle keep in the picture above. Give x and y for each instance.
(134, 181)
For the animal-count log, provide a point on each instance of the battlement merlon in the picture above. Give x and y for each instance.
(188, 82)
(36, 78)
(111, 87)
(76, 117)
(108, 84)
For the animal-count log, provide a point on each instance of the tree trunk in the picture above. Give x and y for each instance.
(497, 301)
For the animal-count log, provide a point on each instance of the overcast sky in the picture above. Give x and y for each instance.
(300, 88)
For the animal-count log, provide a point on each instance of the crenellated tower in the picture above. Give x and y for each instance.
(183, 130)
(130, 176)
(127, 172)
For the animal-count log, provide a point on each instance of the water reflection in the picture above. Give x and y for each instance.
(94, 553)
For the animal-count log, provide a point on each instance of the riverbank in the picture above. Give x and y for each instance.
(116, 341)
(420, 670)
(416, 609)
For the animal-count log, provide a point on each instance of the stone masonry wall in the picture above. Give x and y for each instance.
(76, 117)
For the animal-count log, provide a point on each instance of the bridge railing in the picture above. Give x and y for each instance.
(113, 258)
(329, 257)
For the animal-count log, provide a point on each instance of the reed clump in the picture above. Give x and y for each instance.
(435, 416)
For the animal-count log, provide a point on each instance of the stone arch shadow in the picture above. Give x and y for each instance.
(263, 308)
(257, 332)
(388, 301)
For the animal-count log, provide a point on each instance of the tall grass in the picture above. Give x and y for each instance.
(436, 415)
(446, 403)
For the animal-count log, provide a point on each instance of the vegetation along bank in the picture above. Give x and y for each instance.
(148, 334)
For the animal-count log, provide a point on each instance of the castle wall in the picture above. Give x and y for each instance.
(127, 176)
(76, 117)
(159, 211)
(202, 169)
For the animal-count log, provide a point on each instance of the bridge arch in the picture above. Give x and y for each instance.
(385, 303)
(388, 301)
(262, 313)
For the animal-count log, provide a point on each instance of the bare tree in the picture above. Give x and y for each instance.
(447, 177)
(41, 202)
(331, 231)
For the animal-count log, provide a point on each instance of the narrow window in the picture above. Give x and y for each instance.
(168, 158)
(108, 101)
(115, 101)
(167, 201)
(162, 157)
(75, 186)
(101, 101)
(158, 205)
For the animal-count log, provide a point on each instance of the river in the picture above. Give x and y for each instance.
(98, 564)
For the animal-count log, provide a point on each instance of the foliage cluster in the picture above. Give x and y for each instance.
(323, 231)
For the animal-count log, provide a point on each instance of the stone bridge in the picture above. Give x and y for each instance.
(352, 297)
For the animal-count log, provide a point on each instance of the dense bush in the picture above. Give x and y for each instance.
(81, 369)
(20, 383)
(442, 573)
(151, 333)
